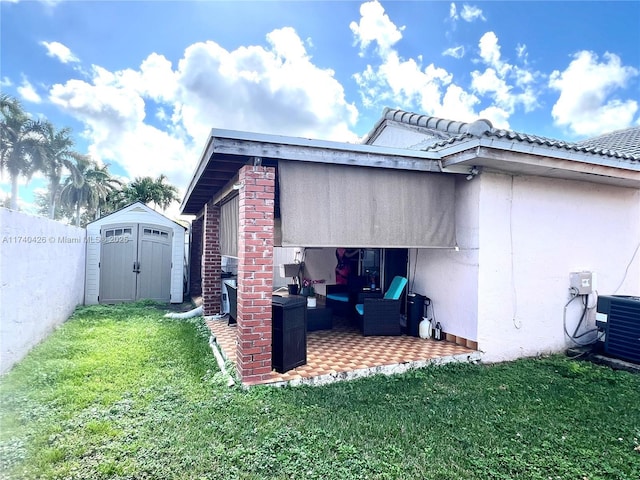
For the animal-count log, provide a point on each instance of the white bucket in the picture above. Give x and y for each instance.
(424, 329)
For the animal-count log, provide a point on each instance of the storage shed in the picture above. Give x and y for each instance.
(132, 254)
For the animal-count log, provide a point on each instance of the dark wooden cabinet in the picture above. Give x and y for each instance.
(289, 332)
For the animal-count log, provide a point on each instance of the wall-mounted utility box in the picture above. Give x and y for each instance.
(582, 282)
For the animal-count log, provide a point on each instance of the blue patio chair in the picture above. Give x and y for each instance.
(381, 316)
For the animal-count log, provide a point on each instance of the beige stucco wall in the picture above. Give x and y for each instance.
(450, 277)
(519, 239)
(533, 232)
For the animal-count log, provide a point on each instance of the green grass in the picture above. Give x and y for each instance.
(122, 393)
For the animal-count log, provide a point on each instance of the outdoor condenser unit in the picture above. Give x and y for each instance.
(619, 317)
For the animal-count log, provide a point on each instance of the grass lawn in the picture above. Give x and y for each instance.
(120, 392)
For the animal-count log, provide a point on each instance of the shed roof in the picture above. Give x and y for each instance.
(136, 208)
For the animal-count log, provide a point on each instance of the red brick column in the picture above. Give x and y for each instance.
(195, 258)
(211, 260)
(255, 272)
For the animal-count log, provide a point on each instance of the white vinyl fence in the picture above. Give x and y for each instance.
(42, 266)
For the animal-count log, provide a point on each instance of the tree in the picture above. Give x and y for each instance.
(91, 192)
(58, 156)
(21, 144)
(147, 190)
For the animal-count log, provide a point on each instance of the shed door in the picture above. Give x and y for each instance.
(135, 263)
(154, 263)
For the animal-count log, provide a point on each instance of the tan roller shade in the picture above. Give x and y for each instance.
(325, 205)
(229, 221)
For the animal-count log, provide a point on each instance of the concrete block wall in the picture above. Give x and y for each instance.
(42, 272)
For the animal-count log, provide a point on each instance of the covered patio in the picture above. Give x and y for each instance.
(343, 353)
(252, 193)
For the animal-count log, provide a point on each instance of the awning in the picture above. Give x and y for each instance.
(324, 205)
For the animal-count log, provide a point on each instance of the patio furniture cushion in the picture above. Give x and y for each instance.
(339, 297)
(395, 289)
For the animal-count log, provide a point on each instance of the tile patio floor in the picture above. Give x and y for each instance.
(342, 353)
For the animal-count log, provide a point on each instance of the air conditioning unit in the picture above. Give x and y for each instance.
(619, 317)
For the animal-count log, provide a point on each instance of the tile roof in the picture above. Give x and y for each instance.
(622, 144)
(622, 141)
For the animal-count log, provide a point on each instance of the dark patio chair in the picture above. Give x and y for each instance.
(342, 298)
(338, 299)
(381, 316)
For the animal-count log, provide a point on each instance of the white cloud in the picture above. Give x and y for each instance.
(375, 26)
(498, 90)
(5, 82)
(507, 85)
(114, 119)
(278, 89)
(469, 13)
(455, 52)
(490, 51)
(28, 92)
(521, 52)
(457, 104)
(498, 116)
(488, 82)
(60, 51)
(395, 80)
(587, 105)
(155, 119)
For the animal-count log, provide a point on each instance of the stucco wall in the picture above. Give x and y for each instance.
(533, 232)
(41, 280)
(449, 277)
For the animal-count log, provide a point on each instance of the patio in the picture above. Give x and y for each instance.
(343, 353)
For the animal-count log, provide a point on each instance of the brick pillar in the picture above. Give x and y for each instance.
(195, 258)
(255, 272)
(211, 260)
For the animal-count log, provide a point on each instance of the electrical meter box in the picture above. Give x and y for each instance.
(582, 282)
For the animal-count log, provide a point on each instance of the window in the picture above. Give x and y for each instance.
(155, 233)
(117, 232)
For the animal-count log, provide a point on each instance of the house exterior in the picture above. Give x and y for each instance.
(494, 222)
(134, 253)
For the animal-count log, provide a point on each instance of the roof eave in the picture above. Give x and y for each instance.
(527, 159)
(275, 147)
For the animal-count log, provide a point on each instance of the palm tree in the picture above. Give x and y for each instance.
(91, 192)
(149, 190)
(21, 143)
(59, 155)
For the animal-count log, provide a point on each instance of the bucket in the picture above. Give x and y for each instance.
(293, 289)
(424, 328)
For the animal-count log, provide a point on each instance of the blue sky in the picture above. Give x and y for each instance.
(141, 83)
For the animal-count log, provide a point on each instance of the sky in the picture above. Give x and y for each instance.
(142, 83)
